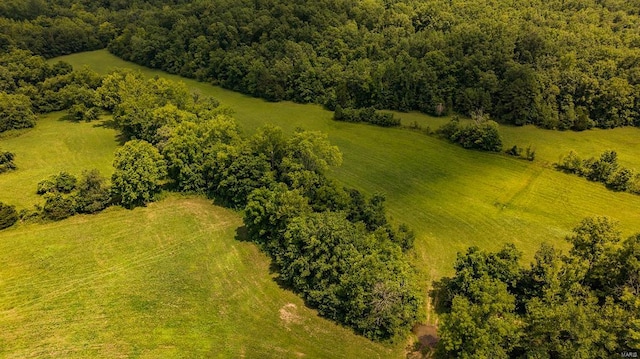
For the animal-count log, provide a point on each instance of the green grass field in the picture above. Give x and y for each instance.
(452, 197)
(166, 281)
(171, 280)
(54, 145)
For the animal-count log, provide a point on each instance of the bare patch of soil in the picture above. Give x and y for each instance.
(427, 335)
(289, 314)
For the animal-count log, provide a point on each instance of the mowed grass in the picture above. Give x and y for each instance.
(54, 145)
(167, 281)
(453, 198)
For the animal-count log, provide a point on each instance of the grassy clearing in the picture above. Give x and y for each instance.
(54, 145)
(166, 281)
(454, 198)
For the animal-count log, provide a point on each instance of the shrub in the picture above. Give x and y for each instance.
(80, 112)
(6, 161)
(57, 206)
(482, 134)
(570, 163)
(8, 216)
(530, 153)
(92, 196)
(514, 151)
(367, 114)
(46, 186)
(62, 182)
(65, 182)
(620, 180)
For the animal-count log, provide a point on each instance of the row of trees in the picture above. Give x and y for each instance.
(556, 64)
(367, 115)
(582, 305)
(605, 169)
(65, 195)
(331, 244)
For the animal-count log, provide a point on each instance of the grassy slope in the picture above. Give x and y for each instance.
(50, 147)
(453, 197)
(167, 281)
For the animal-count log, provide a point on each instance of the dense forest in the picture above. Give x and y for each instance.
(556, 64)
(583, 304)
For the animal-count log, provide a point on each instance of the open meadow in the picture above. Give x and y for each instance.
(173, 279)
(52, 146)
(166, 281)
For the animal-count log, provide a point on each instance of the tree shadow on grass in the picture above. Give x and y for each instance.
(111, 124)
(440, 295)
(242, 235)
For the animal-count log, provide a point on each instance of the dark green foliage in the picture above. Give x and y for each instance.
(605, 169)
(620, 180)
(92, 194)
(481, 135)
(404, 237)
(65, 195)
(139, 171)
(16, 112)
(46, 186)
(80, 112)
(63, 182)
(514, 151)
(8, 216)
(351, 274)
(600, 170)
(571, 163)
(238, 174)
(564, 306)
(31, 85)
(348, 274)
(6, 161)
(529, 153)
(269, 211)
(192, 149)
(368, 115)
(141, 108)
(58, 206)
(575, 70)
(371, 212)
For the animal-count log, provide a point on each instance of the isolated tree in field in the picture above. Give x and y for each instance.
(8, 216)
(139, 171)
(6, 161)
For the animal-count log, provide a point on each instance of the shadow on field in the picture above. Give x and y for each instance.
(242, 234)
(111, 124)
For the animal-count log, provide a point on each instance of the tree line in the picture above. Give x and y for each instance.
(583, 304)
(332, 245)
(556, 64)
(604, 169)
